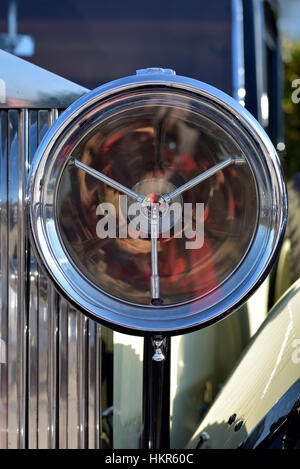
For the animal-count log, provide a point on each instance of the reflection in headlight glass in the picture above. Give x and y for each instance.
(153, 145)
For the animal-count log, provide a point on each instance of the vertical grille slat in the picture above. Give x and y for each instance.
(13, 426)
(33, 324)
(63, 375)
(50, 381)
(82, 325)
(43, 361)
(73, 436)
(4, 277)
(52, 369)
(40, 383)
(94, 373)
(16, 352)
(23, 246)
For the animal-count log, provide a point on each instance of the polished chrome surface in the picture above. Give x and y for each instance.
(38, 88)
(51, 165)
(50, 377)
(4, 277)
(13, 245)
(154, 281)
(17, 155)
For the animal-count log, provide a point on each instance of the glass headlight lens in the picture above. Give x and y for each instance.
(153, 143)
(157, 204)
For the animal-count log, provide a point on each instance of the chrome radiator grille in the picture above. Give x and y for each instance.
(50, 371)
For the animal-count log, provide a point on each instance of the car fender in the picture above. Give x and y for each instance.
(268, 369)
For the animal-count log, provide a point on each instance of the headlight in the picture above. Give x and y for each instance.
(202, 211)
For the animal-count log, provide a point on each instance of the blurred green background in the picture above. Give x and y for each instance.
(289, 25)
(291, 55)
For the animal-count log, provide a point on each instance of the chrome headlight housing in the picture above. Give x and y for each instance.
(205, 183)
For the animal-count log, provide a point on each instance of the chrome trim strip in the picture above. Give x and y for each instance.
(17, 327)
(52, 371)
(79, 380)
(238, 61)
(63, 374)
(23, 241)
(42, 331)
(94, 380)
(32, 318)
(81, 370)
(53, 341)
(4, 277)
(48, 167)
(43, 361)
(73, 422)
(38, 323)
